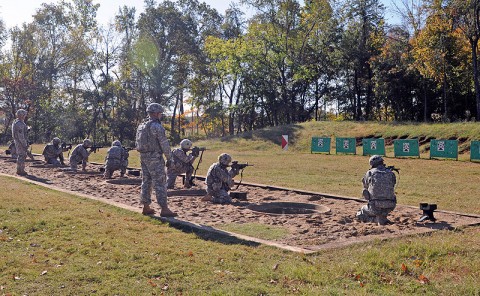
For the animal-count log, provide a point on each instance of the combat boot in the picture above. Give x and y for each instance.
(166, 212)
(382, 220)
(147, 210)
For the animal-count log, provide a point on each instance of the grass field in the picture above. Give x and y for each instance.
(57, 244)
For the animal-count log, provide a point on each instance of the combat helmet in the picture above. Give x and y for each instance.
(186, 144)
(56, 141)
(117, 143)
(224, 159)
(375, 161)
(155, 108)
(87, 143)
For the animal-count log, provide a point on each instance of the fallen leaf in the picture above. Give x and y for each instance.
(16, 278)
(275, 267)
(357, 277)
(152, 283)
(272, 281)
(423, 279)
(362, 285)
(165, 287)
(44, 272)
(418, 262)
(404, 268)
(190, 254)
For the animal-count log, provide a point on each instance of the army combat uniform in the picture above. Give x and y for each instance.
(219, 181)
(19, 133)
(53, 154)
(152, 143)
(181, 164)
(379, 190)
(116, 159)
(79, 155)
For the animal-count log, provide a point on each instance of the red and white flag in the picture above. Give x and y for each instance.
(284, 142)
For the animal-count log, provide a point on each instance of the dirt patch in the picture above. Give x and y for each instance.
(324, 221)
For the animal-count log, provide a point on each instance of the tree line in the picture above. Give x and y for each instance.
(220, 74)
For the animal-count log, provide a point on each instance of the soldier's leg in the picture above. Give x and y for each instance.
(188, 176)
(146, 195)
(30, 155)
(221, 196)
(365, 214)
(21, 163)
(108, 173)
(171, 178)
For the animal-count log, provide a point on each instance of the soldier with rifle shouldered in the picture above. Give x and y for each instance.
(182, 163)
(80, 155)
(220, 179)
(53, 153)
(116, 159)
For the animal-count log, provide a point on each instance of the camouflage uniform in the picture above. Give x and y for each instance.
(13, 151)
(152, 143)
(181, 164)
(116, 159)
(219, 181)
(379, 189)
(19, 133)
(53, 153)
(79, 155)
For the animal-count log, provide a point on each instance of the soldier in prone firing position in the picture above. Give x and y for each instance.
(116, 159)
(182, 163)
(53, 153)
(379, 190)
(220, 180)
(80, 155)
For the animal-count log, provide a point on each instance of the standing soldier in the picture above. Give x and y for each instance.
(80, 155)
(182, 164)
(379, 191)
(220, 180)
(53, 153)
(152, 143)
(19, 133)
(116, 159)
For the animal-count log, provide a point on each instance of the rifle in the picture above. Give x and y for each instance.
(198, 164)
(128, 149)
(392, 168)
(196, 150)
(8, 152)
(94, 148)
(66, 146)
(241, 167)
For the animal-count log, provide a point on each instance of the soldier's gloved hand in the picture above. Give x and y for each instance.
(168, 163)
(195, 151)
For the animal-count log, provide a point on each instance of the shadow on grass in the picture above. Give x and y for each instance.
(270, 134)
(38, 179)
(436, 225)
(207, 233)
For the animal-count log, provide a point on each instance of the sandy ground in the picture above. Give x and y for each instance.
(313, 222)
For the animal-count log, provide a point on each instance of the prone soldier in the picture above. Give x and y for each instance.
(116, 159)
(379, 190)
(53, 153)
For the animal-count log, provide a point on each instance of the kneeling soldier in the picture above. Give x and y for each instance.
(220, 180)
(379, 190)
(53, 153)
(181, 164)
(80, 155)
(116, 159)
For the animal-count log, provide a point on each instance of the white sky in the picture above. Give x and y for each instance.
(16, 12)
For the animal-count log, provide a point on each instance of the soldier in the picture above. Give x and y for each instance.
(53, 153)
(13, 151)
(116, 159)
(220, 180)
(182, 164)
(80, 155)
(379, 189)
(19, 133)
(152, 143)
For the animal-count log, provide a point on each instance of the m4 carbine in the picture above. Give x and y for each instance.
(392, 168)
(94, 148)
(196, 150)
(128, 149)
(239, 166)
(66, 146)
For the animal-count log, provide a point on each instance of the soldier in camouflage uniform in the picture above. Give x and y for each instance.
(379, 189)
(116, 159)
(80, 155)
(53, 153)
(181, 164)
(13, 151)
(19, 133)
(220, 180)
(152, 143)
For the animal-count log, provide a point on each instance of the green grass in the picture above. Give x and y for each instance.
(52, 243)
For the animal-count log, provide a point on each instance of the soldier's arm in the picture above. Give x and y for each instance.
(159, 132)
(182, 156)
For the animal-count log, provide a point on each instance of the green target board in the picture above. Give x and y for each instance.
(406, 148)
(373, 146)
(345, 145)
(475, 151)
(320, 145)
(444, 149)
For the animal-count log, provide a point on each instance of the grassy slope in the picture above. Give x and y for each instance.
(63, 245)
